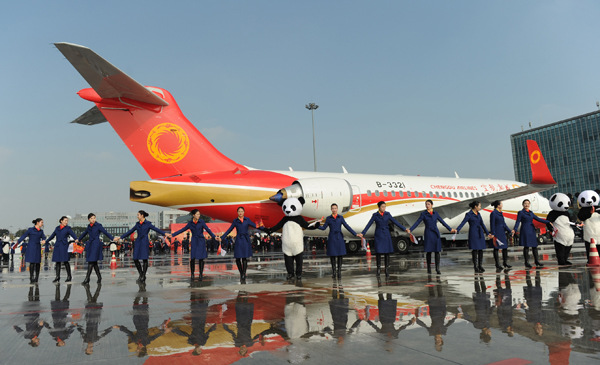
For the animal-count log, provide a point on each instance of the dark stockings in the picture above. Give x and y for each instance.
(242, 265)
(200, 268)
(92, 266)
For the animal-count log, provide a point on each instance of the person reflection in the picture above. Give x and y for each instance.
(437, 312)
(533, 297)
(141, 317)
(33, 323)
(60, 310)
(338, 306)
(387, 317)
(483, 310)
(198, 310)
(244, 314)
(93, 311)
(504, 308)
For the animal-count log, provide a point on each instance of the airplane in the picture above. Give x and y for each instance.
(187, 172)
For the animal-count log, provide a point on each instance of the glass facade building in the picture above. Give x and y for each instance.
(571, 149)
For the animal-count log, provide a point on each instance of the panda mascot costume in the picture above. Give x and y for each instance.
(588, 215)
(292, 237)
(563, 233)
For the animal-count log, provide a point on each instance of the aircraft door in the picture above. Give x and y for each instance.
(535, 203)
(356, 199)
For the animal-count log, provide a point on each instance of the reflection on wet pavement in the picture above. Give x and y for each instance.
(550, 315)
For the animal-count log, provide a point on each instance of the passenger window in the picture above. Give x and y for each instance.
(455, 194)
(385, 193)
(368, 192)
(376, 192)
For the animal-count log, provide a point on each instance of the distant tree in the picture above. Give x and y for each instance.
(4, 232)
(20, 232)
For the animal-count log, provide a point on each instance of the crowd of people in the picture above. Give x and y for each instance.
(245, 244)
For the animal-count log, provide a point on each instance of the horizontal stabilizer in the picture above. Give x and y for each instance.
(91, 117)
(107, 80)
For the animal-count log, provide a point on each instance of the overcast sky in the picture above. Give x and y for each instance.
(404, 87)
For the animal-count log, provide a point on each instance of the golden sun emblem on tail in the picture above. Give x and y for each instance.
(168, 143)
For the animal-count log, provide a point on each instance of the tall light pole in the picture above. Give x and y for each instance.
(312, 107)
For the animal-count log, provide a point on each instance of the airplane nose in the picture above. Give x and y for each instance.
(279, 197)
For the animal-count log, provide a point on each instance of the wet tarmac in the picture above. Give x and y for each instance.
(549, 315)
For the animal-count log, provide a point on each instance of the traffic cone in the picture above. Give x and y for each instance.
(113, 261)
(314, 249)
(594, 259)
(595, 272)
(368, 250)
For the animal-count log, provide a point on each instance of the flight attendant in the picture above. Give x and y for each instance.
(141, 246)
(336, 247)
(383, 238)
(476, 236)
(432, 240)
(498, 229)
(243, 247)
(34, 248)
(198, 243)
(61, 247)
(93, 247)
(527, 235)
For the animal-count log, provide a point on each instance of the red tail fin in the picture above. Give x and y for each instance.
(147, 119)
(540, 174)
(165, 143)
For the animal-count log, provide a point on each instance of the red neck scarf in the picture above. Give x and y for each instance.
(37, 228)
(430, 212)
(92, 224)
(61, 226)
(195, 221)
(382, 213)
(334, 216)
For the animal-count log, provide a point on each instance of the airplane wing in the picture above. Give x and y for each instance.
(541, 180)
(456, 208)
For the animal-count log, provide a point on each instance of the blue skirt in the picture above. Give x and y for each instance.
(243, 247)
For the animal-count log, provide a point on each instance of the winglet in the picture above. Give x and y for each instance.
(540, 174)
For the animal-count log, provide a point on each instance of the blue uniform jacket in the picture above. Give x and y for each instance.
(198, 243)
(527, 236)
(141, 247)
(243, 246)
(383, 238)
(499, 228)
(34, 247)
(432, 241)
(476, 229)
(61, 247)
(93, 247)
(335, 240)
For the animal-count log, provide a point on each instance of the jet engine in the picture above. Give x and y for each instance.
(318, 193)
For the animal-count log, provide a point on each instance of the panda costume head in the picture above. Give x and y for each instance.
(560, 202)
(588, 198)
(292, 207)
